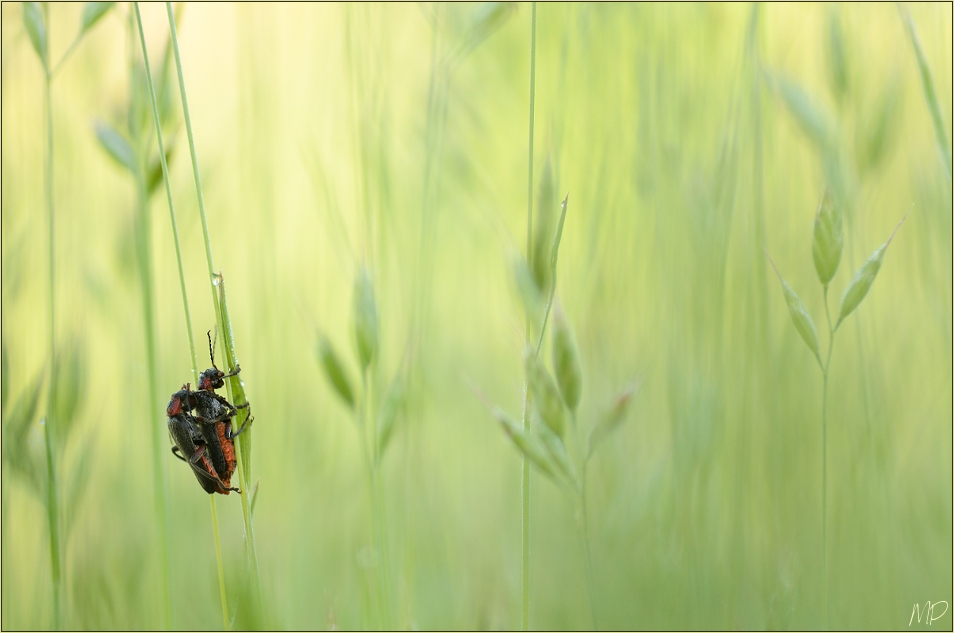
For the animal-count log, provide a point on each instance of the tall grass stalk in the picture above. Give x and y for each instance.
(175, 236)
(36, 21)
(159, 475)
(365, 423)
(590, 579)
(585, 536)
(165, 178)
(218, 561)
(831, 345)
(217, 286)
(525, 515)
(433, 142)
(52, 499)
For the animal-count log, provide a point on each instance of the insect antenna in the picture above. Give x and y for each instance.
(212, 345)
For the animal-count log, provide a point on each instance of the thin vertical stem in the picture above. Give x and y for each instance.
(533, 80)
(54, 522)
(378, 530)
(217, 285)
(218, 561)
(590, 583)
(825, 488)
(831, 344)
(243, 447)
(165, 178)
(52, 497)
(195, 162)
(525, 522)
(159, 478)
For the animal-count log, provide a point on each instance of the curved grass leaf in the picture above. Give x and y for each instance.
(69, 387)
(334, 370)
(876, 133)
(836, 58)
(566, 360)
(612, 419)
(235, 384)
(365, 318)
(527, 288)
(17, 451)
(154, 175)
(526, 444)
(829, 239)
(800, 317)
(387, 416)
(138, 114)
(812, 119)
(36, 29)
(5, 378)
(557, 452)
(546, 397)
(92, 13)
(861, 283)
(930, 95)
(117, 147)
(487, 18)
(254, 498)
(555, 249)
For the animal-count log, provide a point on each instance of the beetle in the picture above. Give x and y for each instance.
(210, 407)
(190, 447)
(212, 414)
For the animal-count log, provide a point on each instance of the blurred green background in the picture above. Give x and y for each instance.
(689, 138)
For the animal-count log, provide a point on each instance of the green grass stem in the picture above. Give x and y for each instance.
(243, 444)
(218, 561)
(525, 514)
(165, 178)
(160, 491)
(52, 513)
(365, 424)
(52, 499)
(217, 285)
(585, 536)
(831, 345)
(175, 235)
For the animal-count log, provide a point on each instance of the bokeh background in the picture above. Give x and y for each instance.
(689, 139)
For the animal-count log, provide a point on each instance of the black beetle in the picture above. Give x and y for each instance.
(212, 414)
(190, 447)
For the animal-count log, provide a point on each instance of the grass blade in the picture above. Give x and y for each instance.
(35, 27)
(334, 370)
(930, 96)
(92, 13)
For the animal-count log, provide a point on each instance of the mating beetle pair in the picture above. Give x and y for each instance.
(200, 424)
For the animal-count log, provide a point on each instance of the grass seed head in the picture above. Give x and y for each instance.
(828, 239)
(800, 317)
(334, 370)
(365, 318)
(861, 282)
(566, 360)
(546, 397)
